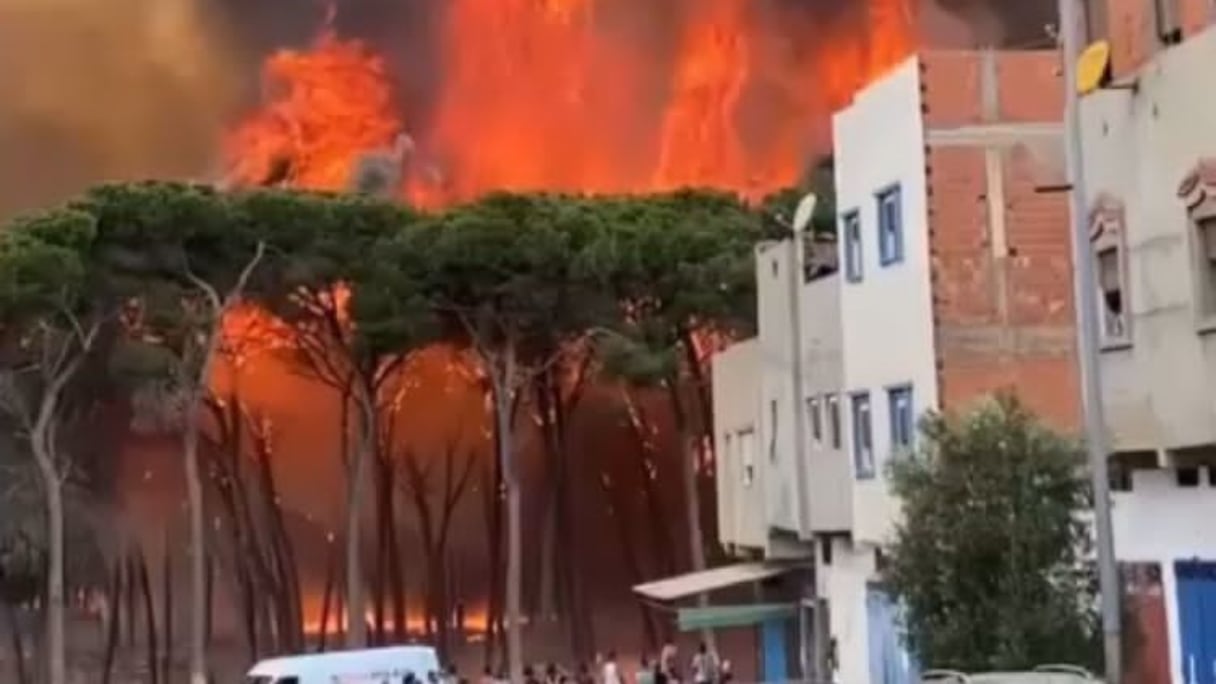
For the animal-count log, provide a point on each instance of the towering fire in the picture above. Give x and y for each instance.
(323, 107)
(586, 95)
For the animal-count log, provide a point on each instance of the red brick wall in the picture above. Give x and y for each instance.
(1131, 27)
(1003, 322)
(1031, 89)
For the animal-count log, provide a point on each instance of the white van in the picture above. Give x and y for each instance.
(392, 665)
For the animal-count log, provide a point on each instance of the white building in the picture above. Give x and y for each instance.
(1150, 163)
(952, 283)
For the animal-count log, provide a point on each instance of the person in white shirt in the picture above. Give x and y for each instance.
(704, 666)
(611, 674)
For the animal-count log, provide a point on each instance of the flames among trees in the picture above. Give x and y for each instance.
(531, 296)
(579, 96)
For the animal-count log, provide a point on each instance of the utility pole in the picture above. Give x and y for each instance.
(1086, 305)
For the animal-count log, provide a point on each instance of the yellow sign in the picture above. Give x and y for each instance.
(1093, 67)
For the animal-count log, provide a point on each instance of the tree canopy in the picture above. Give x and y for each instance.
(991, 559)
(519, 279)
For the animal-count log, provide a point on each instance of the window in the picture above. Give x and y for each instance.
(1187, 477)
(863, 438)
(852, 247)
(890, 227)
(728, 455)
(1198, 193)
(1110, 269)
(1110, 285)
(833, 408)
(1095, 20)
(772, 435)
(1169, 25)
(1205, 243)
(816, 420)
(747, 456)
(903, 429)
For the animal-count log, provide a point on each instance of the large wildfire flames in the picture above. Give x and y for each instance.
(555, 94)
(577, 95)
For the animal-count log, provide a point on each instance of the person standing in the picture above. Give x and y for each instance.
(610, 672)
(645, 673)
(704, 666)
(667, 660)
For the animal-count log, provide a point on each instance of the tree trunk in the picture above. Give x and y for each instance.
(692, 497)
(662, 542)
(210, 598)
(198, 552)
(145, 589)
(397, 583)
(56, 655)
(167, 612)
(704, 431)
(113, 627)
(327, 598)
(14, 626)
(492, 485)
(384, 493)
(356, 605)
(282, 554)
(132, 598)
(619, 509)
(504, 380)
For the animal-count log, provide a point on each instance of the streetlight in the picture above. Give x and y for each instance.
(1086, 305)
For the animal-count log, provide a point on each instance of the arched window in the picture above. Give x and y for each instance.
(1198, 194)
(1108, 242)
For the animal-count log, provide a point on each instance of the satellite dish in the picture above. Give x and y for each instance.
(1093, 67)
(804, 212)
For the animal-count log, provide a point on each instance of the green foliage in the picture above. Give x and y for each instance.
(514, 270)
(44, 265)
(990, 558)
(680, 260)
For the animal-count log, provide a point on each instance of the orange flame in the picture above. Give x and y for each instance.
(324, 107)
(537, 94)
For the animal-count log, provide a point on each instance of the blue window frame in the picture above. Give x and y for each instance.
(903, 422)
(890, 226)
(863, 436)
(851, 227)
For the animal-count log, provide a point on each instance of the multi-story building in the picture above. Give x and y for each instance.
(1149, 159)
(954, 282)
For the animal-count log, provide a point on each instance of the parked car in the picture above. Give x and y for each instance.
(391, 665)
(1044, 674)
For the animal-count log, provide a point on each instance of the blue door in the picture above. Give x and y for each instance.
(1197, 620)
(776, 667)
(890, 662)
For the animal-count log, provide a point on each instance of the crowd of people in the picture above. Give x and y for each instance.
(705, 667)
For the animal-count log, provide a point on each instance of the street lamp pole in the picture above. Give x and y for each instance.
(1086, 305)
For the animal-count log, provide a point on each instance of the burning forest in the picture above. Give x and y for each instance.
(458, 98)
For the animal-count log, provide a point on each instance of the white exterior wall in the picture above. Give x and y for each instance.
(1138, 146)
(776, 359)
(736, 403)
(1159, 393)
(829, 477)
(844, 583)
(887, 325)
(1160, 522)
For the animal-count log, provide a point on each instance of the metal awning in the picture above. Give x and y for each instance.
(720, 617)
(694, 583)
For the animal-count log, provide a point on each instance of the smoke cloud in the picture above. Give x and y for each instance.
(96, 90)
(108, 89)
